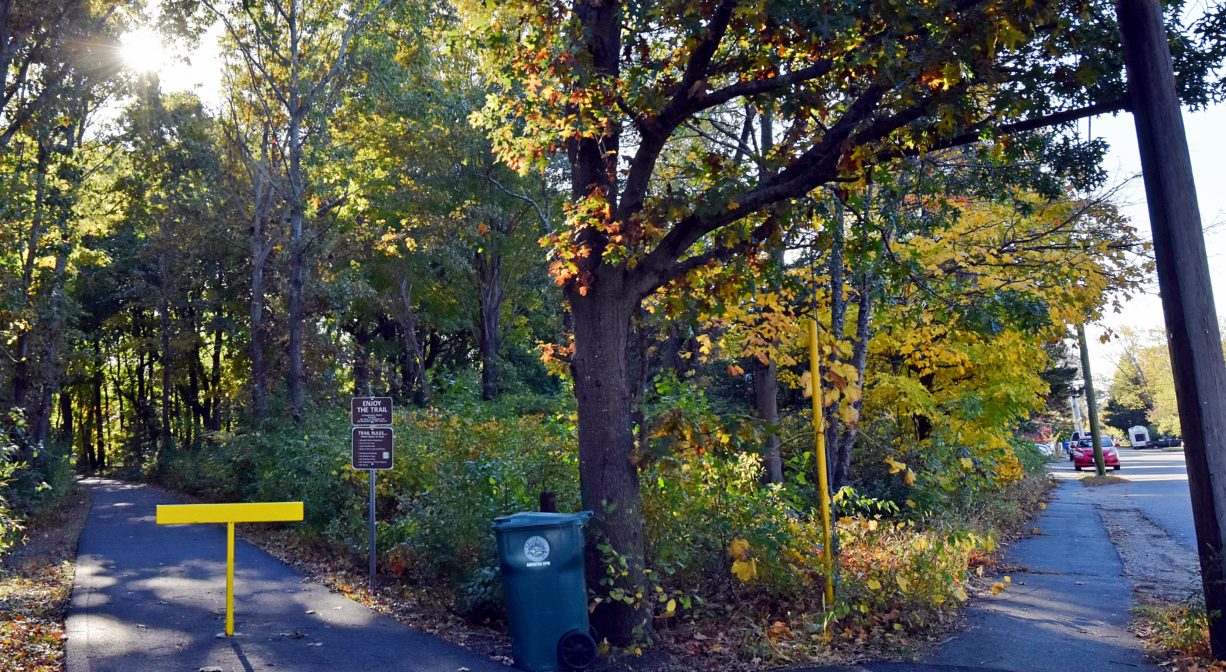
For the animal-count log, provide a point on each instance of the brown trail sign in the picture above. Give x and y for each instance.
(371, 410)
(372, 448)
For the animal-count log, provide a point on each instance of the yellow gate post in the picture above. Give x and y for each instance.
(819, 449)
(256, 512)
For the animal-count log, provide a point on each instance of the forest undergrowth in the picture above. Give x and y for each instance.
(735, 567)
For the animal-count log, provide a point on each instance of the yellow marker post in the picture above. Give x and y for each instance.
(256, 512)
(819, 449)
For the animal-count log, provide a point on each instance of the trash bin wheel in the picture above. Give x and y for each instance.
(576, 650)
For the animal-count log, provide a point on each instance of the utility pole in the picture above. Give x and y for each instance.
(1074, 400)
(1187, 295)
(1091, 402)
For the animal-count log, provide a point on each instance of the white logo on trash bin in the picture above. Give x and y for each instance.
(536, 549)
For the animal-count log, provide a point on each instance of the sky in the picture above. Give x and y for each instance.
(1206, 132)
(198, 70)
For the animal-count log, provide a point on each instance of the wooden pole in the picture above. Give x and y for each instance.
(1096, 434)
(1187, 295)
(819, 452)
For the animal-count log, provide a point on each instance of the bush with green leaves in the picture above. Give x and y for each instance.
(32, 477)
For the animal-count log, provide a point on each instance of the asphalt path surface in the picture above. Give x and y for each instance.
(1157, 486)
(1068, 607)
(151, 598)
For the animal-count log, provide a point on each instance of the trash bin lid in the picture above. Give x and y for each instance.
(530, 519)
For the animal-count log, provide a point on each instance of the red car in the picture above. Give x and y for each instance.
(1083, 454)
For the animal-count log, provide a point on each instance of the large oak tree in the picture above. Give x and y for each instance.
(617, 85)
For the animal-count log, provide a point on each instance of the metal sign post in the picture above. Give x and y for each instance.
(372, 532)
(372, 448)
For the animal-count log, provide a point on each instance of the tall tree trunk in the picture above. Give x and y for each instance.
(296, 374)
(66, 416)
(766, 376)
(407, 317)
(164, 334)
(841, 465)
(260, 249)
(85, 452)
(53, 340)
(766, 400)
(214, 405)
(297, 105)
(259, 371)
(119, 393)
(610, 479)
(22, 373)
(362, 338)
(98, 459)
(195, 373)
(838, 320)
(489, 332)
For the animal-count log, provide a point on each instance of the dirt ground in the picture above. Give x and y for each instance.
(1159, 567)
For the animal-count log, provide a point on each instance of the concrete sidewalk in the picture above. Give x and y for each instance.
(151, 598)
(1067, 609)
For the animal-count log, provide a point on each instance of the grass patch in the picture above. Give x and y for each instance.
(1095, 481)
(1177, 634)
(35, 583)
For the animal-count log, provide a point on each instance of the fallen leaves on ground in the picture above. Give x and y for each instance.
(35, 583)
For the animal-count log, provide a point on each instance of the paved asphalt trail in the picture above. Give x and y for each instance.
(151, 598)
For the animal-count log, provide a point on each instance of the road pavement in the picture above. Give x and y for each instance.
(1149, 518)
(1157, 485)
(150, 598)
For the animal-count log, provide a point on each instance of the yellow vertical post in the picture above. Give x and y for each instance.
(230, 579)
(819, 449)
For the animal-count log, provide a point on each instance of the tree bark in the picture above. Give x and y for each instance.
(259, 371)
(407, 318)
(766, 376)
(213, 421)
(766, 398)
(98, 458)
(66, 416)
(164, 334)
(610, 482)
(22, 373)
(841, 466)
(489, 332)
(296, 374)
(838, 320)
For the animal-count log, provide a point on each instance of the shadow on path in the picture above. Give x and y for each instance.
(151, 598)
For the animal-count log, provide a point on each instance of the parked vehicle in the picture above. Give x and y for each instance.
(1071, 444)
(1083, 454)
(1138, 436)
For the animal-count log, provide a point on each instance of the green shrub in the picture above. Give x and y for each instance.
(32, 478)
(454, 474)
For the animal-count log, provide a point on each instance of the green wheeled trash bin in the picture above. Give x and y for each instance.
(541, 555)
